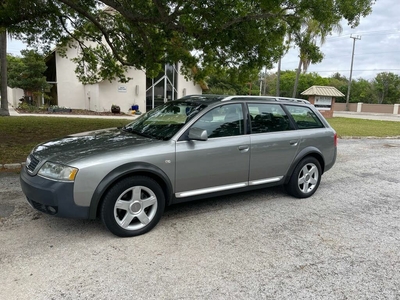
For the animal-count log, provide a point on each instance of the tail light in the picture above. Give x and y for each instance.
(335, 139)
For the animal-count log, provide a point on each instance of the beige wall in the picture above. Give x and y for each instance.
(70, 92)
(342, 107)
(369, 108)
(378, 108)
(185, 87)
(124, 94)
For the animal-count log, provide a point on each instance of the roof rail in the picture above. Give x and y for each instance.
(272, 98)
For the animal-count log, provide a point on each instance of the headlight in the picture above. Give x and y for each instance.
(58, 172)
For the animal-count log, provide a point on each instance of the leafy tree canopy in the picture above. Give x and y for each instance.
(146, 34)
(387, 86)
(383, 89)
(26, 72)
(232, 81)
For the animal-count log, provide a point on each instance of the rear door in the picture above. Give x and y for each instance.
(274, 143)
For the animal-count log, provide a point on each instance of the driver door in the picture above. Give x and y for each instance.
(219, 163)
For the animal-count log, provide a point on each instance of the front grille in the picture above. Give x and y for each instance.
(34, 162)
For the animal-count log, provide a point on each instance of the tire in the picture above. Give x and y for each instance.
(133, 206)
(305, 178)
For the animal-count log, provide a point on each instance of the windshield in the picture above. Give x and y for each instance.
(165, 120)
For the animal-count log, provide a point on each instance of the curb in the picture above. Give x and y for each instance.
(14, 166)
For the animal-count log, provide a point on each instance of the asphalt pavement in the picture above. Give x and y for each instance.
(342, 243)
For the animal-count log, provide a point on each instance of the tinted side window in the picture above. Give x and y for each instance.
(268, 118)
(222, 121)
(304, 117)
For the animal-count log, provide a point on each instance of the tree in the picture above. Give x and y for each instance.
(232, 81)
(3, 62)
(340, 82)
(146, 34)
(305, 81)
(387, 86)
(306, 39)
(26, 73)
(362, 90)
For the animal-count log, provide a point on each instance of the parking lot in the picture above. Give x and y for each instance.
(342, 243)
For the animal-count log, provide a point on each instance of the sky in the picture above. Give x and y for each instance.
(377, 51)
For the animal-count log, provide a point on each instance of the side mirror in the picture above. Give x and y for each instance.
(198, 134)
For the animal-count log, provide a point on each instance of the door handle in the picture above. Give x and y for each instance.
(294, 142)
(243, 148)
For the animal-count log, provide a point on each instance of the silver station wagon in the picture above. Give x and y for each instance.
(195, 147)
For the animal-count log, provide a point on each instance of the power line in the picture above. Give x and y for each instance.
(389, 31)
(366, 70)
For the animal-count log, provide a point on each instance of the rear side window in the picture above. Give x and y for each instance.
(267, 118)
(304, 117)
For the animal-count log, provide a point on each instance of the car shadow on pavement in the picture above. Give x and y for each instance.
(225, 202)
(50, 226)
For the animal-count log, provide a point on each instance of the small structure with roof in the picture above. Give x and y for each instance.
(323, 98)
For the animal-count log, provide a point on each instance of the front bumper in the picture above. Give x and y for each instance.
(51, 197)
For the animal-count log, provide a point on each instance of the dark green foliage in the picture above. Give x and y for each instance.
(232, 81)
(26, 72)
(387, 87)
(147, 34)
(384, 88)
(287, 81)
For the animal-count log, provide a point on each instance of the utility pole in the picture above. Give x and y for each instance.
(355, 37)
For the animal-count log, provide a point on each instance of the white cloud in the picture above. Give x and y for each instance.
(377, 51)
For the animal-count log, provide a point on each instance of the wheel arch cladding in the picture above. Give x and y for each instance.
(128, 170)
(308, 152)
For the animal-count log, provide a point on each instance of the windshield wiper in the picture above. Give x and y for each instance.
(124, 128)
(129, 129)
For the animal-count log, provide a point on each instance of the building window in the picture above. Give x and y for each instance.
(162, 88)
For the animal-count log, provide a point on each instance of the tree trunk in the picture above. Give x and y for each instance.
(3, 73)
(297, 80)
(278, 78)
(383, 97)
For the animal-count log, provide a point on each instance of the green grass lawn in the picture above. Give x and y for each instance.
(346, 127)
(18, 135)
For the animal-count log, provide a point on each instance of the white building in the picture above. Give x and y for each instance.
(144, 92)
(14, 95)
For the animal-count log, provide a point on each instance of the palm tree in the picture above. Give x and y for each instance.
(306, 39)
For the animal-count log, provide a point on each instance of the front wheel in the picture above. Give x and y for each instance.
(133, 206)
(305, 178)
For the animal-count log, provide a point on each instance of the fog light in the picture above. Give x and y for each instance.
(51, 210)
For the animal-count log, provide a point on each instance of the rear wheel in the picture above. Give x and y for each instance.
(133, 206)
(305, 178)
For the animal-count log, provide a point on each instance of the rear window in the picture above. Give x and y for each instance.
(304, 117)
(268, 118)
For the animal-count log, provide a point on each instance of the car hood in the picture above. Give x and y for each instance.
(80, 145)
